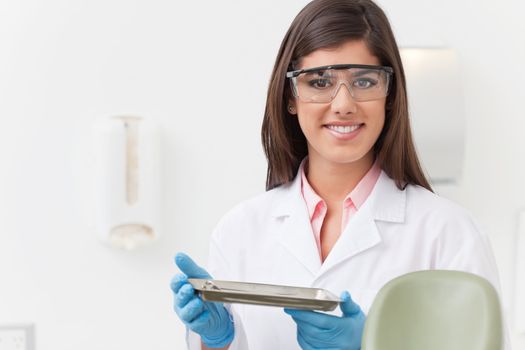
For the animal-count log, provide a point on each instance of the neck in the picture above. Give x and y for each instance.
(333, 181)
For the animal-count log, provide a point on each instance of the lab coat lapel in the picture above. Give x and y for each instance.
(360, 234)
(385, 203)
(295, 229)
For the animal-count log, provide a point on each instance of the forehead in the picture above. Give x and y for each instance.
(355, 52)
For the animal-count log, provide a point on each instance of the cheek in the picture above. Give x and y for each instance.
(381, 121)
(308, 117)
(376, 116)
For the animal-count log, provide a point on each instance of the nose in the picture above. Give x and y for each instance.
(343, 102)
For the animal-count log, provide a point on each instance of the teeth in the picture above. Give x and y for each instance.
(343, 129)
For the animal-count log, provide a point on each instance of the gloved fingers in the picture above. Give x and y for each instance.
(303, 343)
(320, 338)
(348, 307)
(309, 341)
(309, 333)
(200, 321)
(178, 281)
(313, 318)
(191, 310)
(189, 267)
(185, 295)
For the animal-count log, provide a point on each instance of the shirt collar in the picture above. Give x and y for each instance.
(311, 198)
(357, 196)
(365, 186)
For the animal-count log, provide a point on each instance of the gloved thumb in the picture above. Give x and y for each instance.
(189, 267)
(348, 307)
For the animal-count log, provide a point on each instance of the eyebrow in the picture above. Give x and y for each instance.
(315, 72)
(361, 72)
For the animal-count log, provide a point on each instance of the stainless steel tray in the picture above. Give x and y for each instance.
(265, 294)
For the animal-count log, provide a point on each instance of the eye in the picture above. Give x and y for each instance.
(364, 83)
(320, 83)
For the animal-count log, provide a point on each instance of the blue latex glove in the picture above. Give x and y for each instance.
(208, 319)
(317, 330)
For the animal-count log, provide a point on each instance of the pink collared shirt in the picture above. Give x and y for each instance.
(353, 201)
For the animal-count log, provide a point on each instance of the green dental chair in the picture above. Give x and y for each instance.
(435, 309)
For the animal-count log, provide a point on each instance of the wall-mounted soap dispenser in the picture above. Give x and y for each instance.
(127, 180)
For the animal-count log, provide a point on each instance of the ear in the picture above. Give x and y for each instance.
(291, 108)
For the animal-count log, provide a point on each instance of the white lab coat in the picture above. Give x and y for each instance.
(269, 239)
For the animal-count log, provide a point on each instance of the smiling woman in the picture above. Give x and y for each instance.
(347, 206)
(343, 129)
(358, 34)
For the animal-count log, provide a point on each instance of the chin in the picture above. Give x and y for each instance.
(346, 159)
(349, 156)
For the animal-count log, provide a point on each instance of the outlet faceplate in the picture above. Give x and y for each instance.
(17, 337)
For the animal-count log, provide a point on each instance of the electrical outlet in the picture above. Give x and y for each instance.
(17, 337)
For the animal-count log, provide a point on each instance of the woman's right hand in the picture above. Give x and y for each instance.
(208, 319)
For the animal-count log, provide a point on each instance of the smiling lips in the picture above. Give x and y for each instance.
(344, 132)
(344, 129)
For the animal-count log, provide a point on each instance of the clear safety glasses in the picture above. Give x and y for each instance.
(320, 84)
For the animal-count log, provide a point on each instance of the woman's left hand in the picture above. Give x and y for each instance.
(317, 330)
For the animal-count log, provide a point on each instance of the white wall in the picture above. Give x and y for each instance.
(201, 71)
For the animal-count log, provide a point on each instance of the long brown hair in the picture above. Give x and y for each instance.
(325, 24)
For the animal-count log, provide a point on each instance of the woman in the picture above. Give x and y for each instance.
(347, 206)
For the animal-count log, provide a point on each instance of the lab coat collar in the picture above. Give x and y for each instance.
(385, 203)
(296, 234)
